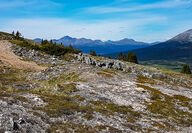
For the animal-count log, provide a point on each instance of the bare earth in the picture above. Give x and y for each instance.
(8, 58)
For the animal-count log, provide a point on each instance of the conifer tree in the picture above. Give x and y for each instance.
(132, 57)
(51, 42)
(42, 41)
(45, 42)
(70, 46)
(17, 35)
(13, 33)
(186, 69)
(120, 56)
(93, 53)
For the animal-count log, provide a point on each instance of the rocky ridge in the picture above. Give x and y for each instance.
(130, 67)
(92, 94)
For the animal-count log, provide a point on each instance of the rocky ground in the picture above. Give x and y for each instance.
(91, 94)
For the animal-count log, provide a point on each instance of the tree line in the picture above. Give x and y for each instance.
(46, 46)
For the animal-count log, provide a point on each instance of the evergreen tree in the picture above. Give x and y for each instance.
(13, 33)
(70, 46)
(45, 42)
(17, 35)
(93, 53)
(120, 56)
(186, 69)
(42, 41)
(51, 42)
(61, 44)
(132, 57)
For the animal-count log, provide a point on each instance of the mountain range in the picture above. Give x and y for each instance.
(179, 48)
(101, 47)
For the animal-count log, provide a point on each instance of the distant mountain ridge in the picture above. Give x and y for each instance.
(179, 48)
(101, 47)
(185, 36)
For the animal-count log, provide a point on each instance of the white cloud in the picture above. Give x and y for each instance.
(113, 9)
(22, 3)
(56, 28)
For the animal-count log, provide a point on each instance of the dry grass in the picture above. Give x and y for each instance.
(8, 58)
(103, 74)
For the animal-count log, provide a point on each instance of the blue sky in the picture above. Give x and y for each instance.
(142, 20)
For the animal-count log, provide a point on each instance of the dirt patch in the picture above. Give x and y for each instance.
(8, 58)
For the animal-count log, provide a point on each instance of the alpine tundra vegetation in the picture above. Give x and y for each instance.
(43, 91)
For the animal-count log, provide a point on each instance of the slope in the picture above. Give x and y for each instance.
(8, 58)
(93, 94)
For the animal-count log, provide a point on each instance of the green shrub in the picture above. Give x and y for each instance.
(49, 48)
(131, 57)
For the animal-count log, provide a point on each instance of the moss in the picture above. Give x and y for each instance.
(110, 109)
(183, 101)
(110, 71)
(59, 105)
(103, 74)
(88, 116)
(35, 113)
(10, 76)
(163, 125)
(164, 106)
(65, 84)
(92, 93)
(4, 93)
(107, 128)
(70, 127)
(67, 88)
(142, 79)
(20, 98)
(79, 98)
(71, 77)
(133, 127)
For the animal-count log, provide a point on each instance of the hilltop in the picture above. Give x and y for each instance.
(77, 92)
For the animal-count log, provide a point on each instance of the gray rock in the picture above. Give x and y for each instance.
(92, 61)
(36, 56)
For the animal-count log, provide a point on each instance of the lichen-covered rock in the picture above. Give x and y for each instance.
(36, 56)
(92, 94)
(104, 64)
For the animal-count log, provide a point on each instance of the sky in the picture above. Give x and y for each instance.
(142, 20)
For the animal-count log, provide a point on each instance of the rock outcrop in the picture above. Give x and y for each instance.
(36, 56)
(84, 58)
(130, 67)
